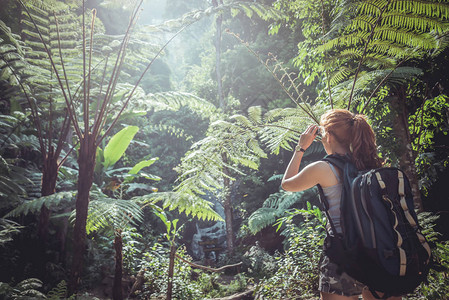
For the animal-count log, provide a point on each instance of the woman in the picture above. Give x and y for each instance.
(342, 133)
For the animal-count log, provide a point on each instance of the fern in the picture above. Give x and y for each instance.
(277, 205)
(25, 289)
(250, 9)
(190, 204)
(58, 292)
(106, 213)
(8, 229)
(34, 206)
(380, 34)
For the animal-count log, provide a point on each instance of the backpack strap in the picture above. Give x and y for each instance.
(323, 200)
(410, 219)
(335, 172)
(402, 254)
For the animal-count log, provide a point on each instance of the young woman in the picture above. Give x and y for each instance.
(342, 133)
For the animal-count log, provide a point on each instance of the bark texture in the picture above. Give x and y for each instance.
(117, 290)
(171, 271)
(405, 152)
(86, 162)
(227, 205)
(48, 187)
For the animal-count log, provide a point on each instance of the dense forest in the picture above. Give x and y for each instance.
(143, 143)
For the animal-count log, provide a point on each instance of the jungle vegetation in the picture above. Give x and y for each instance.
(130, 128)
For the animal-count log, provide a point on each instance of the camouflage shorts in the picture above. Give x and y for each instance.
(334, 283)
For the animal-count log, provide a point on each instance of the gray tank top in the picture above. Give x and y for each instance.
(333, 196)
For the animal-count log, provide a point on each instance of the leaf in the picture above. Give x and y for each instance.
(118, 144)
(142, 164)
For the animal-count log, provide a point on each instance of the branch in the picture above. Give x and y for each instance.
(379, 85)
(138, 82)
(50, 57)
(99, 122)
(309, 113)
(34, 112)
(207, 268)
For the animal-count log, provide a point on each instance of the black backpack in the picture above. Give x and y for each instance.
(381, 245)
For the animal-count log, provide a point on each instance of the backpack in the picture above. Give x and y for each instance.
(381, 245)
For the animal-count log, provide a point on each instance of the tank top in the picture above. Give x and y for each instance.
(333, 196)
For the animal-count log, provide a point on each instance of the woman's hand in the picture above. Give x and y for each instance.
(308, 136)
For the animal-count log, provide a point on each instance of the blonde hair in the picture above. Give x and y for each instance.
(353, 131)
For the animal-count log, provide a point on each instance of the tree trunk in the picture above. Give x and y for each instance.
(49, 177)
(86, 162)
(406, 154)
(218, 33)
(117, 290)
(227, 205)
(171, 271)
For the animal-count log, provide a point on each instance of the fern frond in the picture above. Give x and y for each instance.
(276, 206)
(105, 212)
(250, 9)
(174, 101)
(58, 292)
(255, 114)
(51, 202)
(8, 229)
(183, 202)
(28, 289)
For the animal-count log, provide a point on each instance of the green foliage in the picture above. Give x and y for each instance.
(249, 9)
(8, 229)
(261, 265)
(106, 213)
(26, 289)
(11, 179)
(298, 269)
(438, 279)
(117, 145)
(428, 122)
(211, 286)
(155, 264)
(277, 205)
(184, 203)
(58, 292)
(60, 199)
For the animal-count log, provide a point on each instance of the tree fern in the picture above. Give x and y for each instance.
(110, 213)
(276, 206)
(385, 33)
(60, 199)
(190, 204)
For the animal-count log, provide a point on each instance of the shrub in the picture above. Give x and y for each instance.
(297, 275)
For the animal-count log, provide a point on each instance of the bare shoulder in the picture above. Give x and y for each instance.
(323, 172)
(315, 173)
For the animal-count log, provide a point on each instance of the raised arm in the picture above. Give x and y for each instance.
(310, 175)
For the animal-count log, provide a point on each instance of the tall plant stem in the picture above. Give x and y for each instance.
(365, 50)
(139, 80)
(50, 57)
(379, 86)
(273, 73)
(323, 28)
(34, 112)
